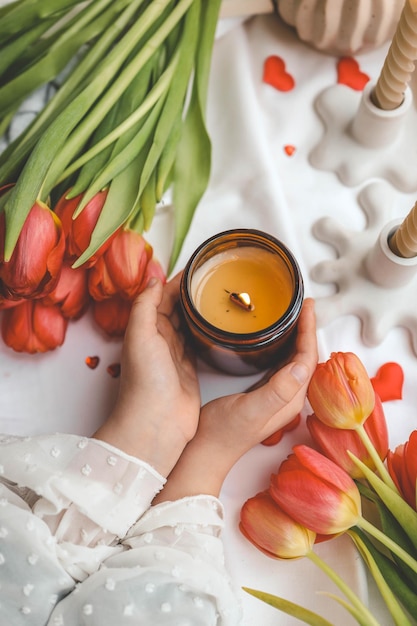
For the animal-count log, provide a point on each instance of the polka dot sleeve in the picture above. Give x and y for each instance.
(87, 492)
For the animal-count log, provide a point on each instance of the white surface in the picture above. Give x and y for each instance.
(255, 184)
(372, 282)
(360, 141)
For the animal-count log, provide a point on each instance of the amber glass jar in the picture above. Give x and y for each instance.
(241, 296)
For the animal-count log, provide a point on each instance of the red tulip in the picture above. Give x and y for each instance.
(121, 270)
(78, 231)
(153, 270)
(33, 327)
(112, 315)
(272, 531)
(316, 492)
(334, 442)
(5, 303)
(340, 391)
(34, 267)
(71, 292)
(402, 466)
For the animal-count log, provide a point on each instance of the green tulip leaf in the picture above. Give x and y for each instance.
(193, 160)
(400, 509)
(387, 578)
(15, 155)
(151, 107)
(22, 14)
(55, 140)
(82, 27)
(290, 608)
(353, 610)
(15, 50)
(174, 104)
(120, 202)
(389, 523)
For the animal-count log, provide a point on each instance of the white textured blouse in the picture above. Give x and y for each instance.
(80, 543)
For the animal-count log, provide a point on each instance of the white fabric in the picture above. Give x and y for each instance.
(80, 543)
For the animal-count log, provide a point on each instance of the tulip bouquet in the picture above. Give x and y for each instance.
(40, 291)
(79, 186)
(128, 117)
(348, 479)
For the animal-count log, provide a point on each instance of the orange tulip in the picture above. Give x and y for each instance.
(78, 231)
(272, 531)
(34, 267)
(402, 466)
(121, 270)
(316, 492)
(71, 292)
(112, 315)
(334, 442)
(33, 327)
(340, 391)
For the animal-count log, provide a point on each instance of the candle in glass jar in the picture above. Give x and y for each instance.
(247, 270)
(241, 295)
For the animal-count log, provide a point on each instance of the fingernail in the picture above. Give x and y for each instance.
(300, 372)
(152, 281)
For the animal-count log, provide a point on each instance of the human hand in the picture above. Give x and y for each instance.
(158, 406)
(232, 425)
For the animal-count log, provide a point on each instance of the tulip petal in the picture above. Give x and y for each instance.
(272, 531)
(323, 468)
(320, 507)
(340, 391)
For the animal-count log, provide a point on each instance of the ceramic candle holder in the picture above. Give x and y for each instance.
(241, 296)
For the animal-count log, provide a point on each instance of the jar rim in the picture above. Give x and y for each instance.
(264, 336)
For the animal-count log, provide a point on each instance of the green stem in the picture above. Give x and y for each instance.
(388, 596)
(153, 96)
(86, 126)
(17, 151)
(346, 590)
(387, 542)
(382, 470)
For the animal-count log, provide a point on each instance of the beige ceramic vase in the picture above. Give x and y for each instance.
(342, 27)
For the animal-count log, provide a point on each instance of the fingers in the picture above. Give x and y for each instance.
(143, 314)
(289, 384)
(171, 295)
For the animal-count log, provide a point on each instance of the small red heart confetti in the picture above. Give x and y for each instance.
(388, 381)
(114, 370)
(276, 75)
(276, 437)
(289, 149)
(349, 74)
(92, 362)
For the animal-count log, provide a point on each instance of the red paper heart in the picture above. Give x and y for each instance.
(289, 149)
(349, 74)
(92, 361)
(276, 437)
(388, 382)
(276, 75)
(114, 370)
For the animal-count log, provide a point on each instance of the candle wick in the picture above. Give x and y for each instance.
(241, 299)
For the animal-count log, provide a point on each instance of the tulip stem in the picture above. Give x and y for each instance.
(387, 542)
(357, 603)
(382, 470)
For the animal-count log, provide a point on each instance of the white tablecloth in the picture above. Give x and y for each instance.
(254, 183)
